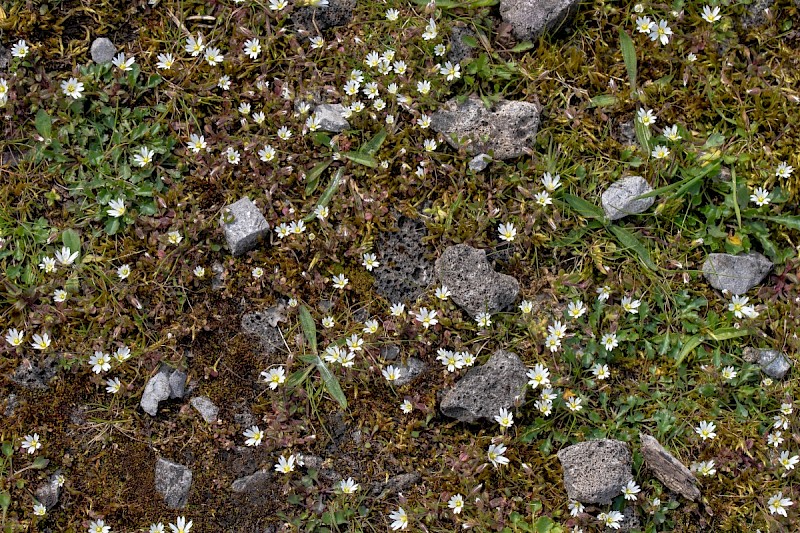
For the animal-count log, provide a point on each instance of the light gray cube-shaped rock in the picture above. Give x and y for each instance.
(620, 199)
(244, 226)
(103, 50)
(331, 118)
(173, 482)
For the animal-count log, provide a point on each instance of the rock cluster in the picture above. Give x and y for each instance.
(167, 384)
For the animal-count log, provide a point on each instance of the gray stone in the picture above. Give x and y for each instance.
(772, 362)
(755, 14)
(504, 131)
(177, 384)
(330, 118)
(390, 352)
(531, 18)
(336, 13)
(173, 482)
(485, 389)
(263, 325)
(35, 372)
(459, 50)
(218, 279)
(473, 284)
(157, 390)
(630, 520)
(206, 408)
(596, 470)
(49, 492)
(620, 199)
(736, 273)
(103, 50)
(479, 162)
(255, 487)
(398, 483)
(244, 226)
(5, 57)
(408, 371)
(11, 405)
(668, 469)
(404, 272)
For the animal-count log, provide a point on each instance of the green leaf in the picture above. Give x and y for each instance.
(724, 334)
(148, 208)
(631, 241)
(523, 46)
(603, 100)
(40, 462)
(373, 145)
(544, 524)
(112, 226)
(71, 240)
(298, 377)
(584, 208)
(628, 56)
(5, 501)
(642, 135)
(693, 342)
(789, 221)
(8, 449)
(331, 383)
(328, 193)
(714, 140)
(44, 124)
(469, 40)
(309, 328)
(312, 178)
(362, 159)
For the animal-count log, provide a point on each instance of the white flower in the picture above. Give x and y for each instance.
(15, 337)
(429, 145)
(274, 377)
(526, 306)
(451, 71)
(609, 341)
(552, 343)
(545, 407)
(284, 133)
(644, 24)
(282, 230)
(31, 443)
(630, 490)
(671, 133)
(550, 182)
(467, 358)
(427, 318)
(706, 430)
(165, 61)
(322, 212)
(122, 63)
(397, 309)
(213, 56)
(65, 256)
(20, 49)
(224, 83)
(603, 293)
(116, 208)
(439, 49)
(124, 271)
(539, 375)
(98, 526)
(760, 196)
(484, 320)
(442, 293)
(557, 329)
(691, 57)
(328, 322)
(783, 170)
(391, 373)
(369, 261)
(704, 468)
(574, 404)
(601, 371)
(285, 465)
(450, 359)
(576, 309)
(788, 462)
(252, 48)
(339, 281)
(611, 519)
(72, 88)
(711, 14)
(631, 305)
(575, 507)
(113, 385)
(543, 198)
(181, 525)
(423, 87)
(254, 436)
(456, 503)
(495, 455)
(59, 295)
(505, 418)
(48, 264)
(39, 509)
(257, 272)
(728, 373)
(101, 362)
(40, 342)
(278, 5)
(174, 237)
(194, 46)
(507, 231)
(199, 271)
(661, 32)
(775, 439)
(660, 152)
(406, 406)
(144, 157)
(348, 486)
(777, 504)
(399, 519)
(197, 143)
(646, 117)
(392, 15)
(430, 31)
(293, 302)
(122, 354)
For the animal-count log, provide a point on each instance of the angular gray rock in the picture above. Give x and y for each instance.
(330, 118)
(156, 391)
(398, 483)
(263, 324)
(36, 373)
(668, 469)
(173, 482)
(244, 226)
(736, 273)
(177, 384)
(772, 362)
(49, 492)
(485, 389)
(460, 50)
(502, 132)
(404, 272)
(255, 487)
(596, 470)
(206, 408)
(531, 18)
(473, 284)
(479, 162)
(336, 13)
(102, 50)
(619, 200)
(408, 371)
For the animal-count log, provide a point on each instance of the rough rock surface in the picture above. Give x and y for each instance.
(485, 389)
(36, 375)
(596, 470)
(336, 13)
(244, 226)
(619, 199)
(755, 14)
(772, 362)
(736, 273)
(177, 384)
(263, 324)
(412, 368)
(668, 469)
(459, 50)
(474, 286)
(206, 408)
(156, 391)
(103, 50)
(404, 272)
(395, 484)
(502, 132)
(531, 18)
(49, 492)
(254, 487)
(479, 162)
(330, 118)
(173, 482)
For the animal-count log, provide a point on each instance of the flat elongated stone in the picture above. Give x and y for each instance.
(668, 469)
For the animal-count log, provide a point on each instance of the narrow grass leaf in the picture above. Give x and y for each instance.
(312, 178)
(328, 193)
(693, 342)
(362, 159)
(631, 241)
(584, 208)
(331, 383)
(789, 221)
(298, 377)
(603, 100)
(309, 328)
(523, 46)
(724, 334)
(373, 145)
(628, 56)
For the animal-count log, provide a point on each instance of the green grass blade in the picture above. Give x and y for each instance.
(331, 383)
(631, 241)
(327, 194)
(312, 178)
(584, 208)
(693, 342)
(790, 221)
(309, 328)
(629, 56)
(724, 334)
(71, 240)
(373, 145)
(362, 159)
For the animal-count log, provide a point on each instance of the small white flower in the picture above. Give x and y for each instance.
(40, 342)
(174, 237)
(611, 519)
(122, 63)
(576, 309)
(427, 318)
(278, 5)
(671, 133)
(728, 373)
(423, 87)
(199, 271)
(711, 14)
(39, 509)
(165, 61)
(456, 503)
(760, 196)
(254, 436)
(101, 362)
(348, 486)
(661, 32)
(526, 306)
(224, 82)
(543, 198)
(439, 50)
(429, 145)
(20, 49)
(116, 208)
(539, 375)
(775, 439)
(194, 46)
(284, 133)
(391, 373)
(392, 15)
(370, 326)
(399, 519)
(704, 468)
(31, 443)
(603, 293)
(213, 56)
(124, 271)
(609, 341)
(788, 462)
(113, 385)
(340, 281)
(646, 117)
(450, 71)
(72, 88)
(406, 407)
(15, 337)
(550, 182)
(442, 293)
(328, 322)
(660, 152)
(99, 526)
(252, 48)
(495, 455)
(285, 465)
(59, 295)
(575, 507)
(644, 24)
(630, 305)
(484, 320)
(783, 170)
(777, 504)
(574, 404)
(507, 231)
(706, 430)
(48, 264)
(122, 354)
(601, 372)
(370, 261)
(630, 490)
(505, 418)
(274, 377)
(552, 343)
(397, 309)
